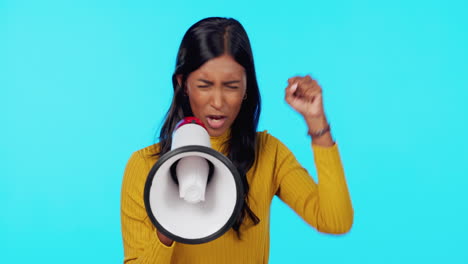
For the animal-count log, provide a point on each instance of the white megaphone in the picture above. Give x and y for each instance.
(193, 194)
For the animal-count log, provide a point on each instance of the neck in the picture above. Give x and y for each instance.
(219, 142)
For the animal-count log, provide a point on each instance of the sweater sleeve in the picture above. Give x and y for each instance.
(140, 241)
(325, 205)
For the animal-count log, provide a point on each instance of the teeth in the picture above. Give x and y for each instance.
(216, 122)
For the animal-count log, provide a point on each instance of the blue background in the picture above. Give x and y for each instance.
(83, 84)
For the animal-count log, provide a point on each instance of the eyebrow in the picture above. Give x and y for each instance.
(225, 83)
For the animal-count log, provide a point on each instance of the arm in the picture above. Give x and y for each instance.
(326, 205)
(140, 239)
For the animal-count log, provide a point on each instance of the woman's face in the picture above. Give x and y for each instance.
(216, 91)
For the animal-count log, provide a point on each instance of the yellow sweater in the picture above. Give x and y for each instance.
(325, 206)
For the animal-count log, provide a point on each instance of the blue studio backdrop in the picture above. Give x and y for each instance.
(83, 84)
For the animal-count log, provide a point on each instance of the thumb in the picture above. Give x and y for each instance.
(292, 99)
(290, 90)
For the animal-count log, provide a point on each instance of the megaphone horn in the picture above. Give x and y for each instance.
(193, 194)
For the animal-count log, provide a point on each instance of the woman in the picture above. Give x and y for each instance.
(215, 81)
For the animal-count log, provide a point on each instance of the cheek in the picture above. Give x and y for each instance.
(195, 104)
(235, 102)
(195, 96)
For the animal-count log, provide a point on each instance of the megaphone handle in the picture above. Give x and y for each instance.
(174, 173)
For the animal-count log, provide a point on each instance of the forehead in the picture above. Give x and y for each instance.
(221, 67)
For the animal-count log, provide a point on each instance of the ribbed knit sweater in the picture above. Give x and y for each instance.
(325, 205)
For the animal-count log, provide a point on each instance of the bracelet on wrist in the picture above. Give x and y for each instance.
(319, 133)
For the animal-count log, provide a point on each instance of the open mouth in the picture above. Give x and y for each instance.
(216, 121)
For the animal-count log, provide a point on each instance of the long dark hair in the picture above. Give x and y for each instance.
(207, 39)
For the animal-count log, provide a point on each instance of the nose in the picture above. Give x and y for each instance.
(217, 98)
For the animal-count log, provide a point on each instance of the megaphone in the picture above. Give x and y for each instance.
(193, 194)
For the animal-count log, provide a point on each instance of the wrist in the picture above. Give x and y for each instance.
(319, 130)
(319, 133)
(316, 123)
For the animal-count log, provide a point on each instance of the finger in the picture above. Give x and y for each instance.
(302, 89)
(296, 104)
(290, 97)
(312, 92)
(293, 80)
(290, 90)
(317, 105)
(299, 78)
(308, 88)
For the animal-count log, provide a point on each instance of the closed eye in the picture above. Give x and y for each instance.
(232, 84)
(229, 84)
(205, 83)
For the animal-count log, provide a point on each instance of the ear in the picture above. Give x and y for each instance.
(179, 82)
(179, 79)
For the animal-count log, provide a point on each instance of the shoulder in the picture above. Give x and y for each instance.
(140, 163)
(265, 139)
(268, 145)
(148, 155)
(149, 151)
